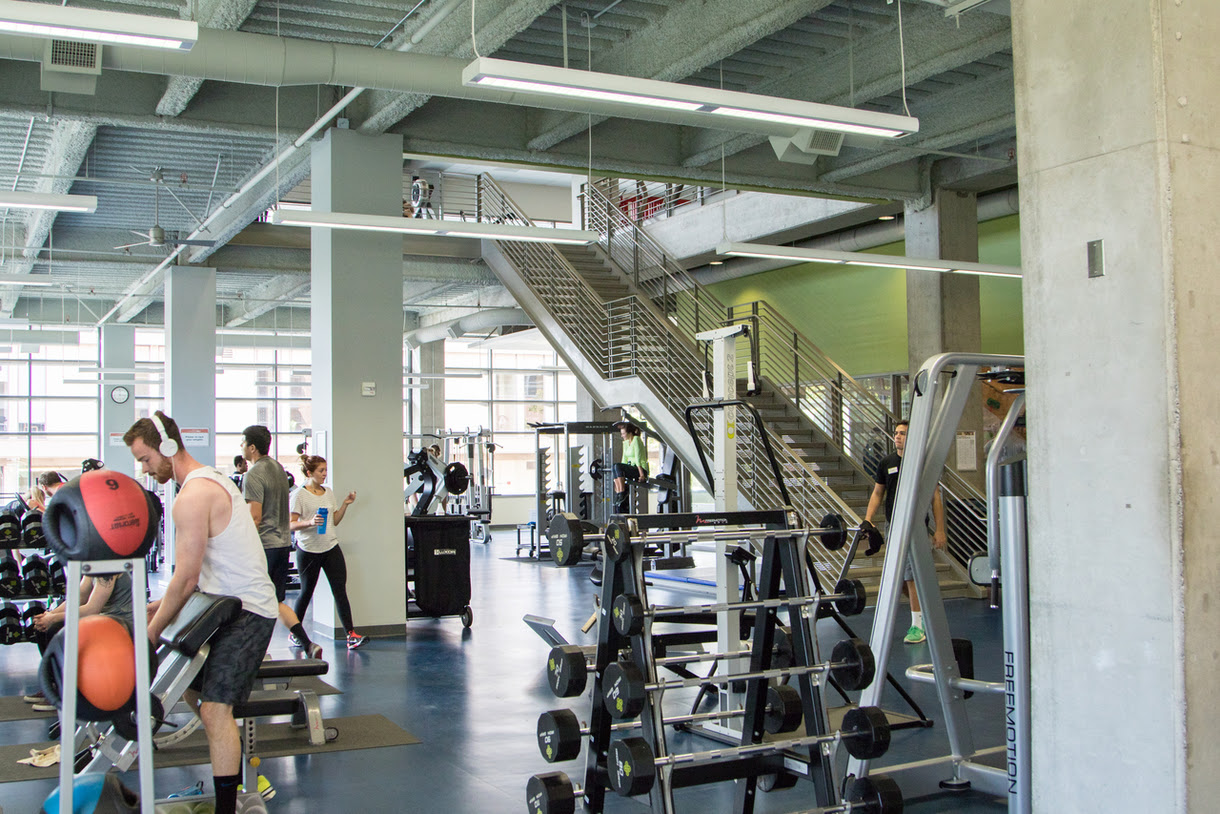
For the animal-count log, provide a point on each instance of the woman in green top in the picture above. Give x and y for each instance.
(634, 465)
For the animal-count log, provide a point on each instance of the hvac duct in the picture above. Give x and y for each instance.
(471, 323)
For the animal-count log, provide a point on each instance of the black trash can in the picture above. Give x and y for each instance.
(438, 566)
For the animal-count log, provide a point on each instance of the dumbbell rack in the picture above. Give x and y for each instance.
(781, 563)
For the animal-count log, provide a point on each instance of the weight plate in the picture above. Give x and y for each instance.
(566, 538)
(618, 542)
(631, 767)
(566, 671)
(628, 614)
(558, 735)
(783, 709)
(852, 664)
(866, 732)
(623, 690)
(836, 537)
(854, 597)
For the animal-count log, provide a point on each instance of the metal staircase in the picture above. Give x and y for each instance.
(624, 318)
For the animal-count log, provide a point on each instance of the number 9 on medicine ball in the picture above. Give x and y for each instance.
(101, 515)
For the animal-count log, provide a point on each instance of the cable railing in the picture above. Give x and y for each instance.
(848, 414)
(647, 200)
(568, 296)
(689, 306)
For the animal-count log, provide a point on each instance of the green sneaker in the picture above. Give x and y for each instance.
(914, 636)
(264, 788)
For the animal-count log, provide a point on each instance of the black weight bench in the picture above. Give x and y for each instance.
(180, 657)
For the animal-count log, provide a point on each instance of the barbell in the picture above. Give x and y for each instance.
(849, 599)
(560, 733)
(624, 688)
(633, 767)
(567, 667)
(832, 532)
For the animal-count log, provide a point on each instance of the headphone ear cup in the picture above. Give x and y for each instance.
(168, 448)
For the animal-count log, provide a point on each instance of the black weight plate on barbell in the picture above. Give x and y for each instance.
(623, 692)
(550, 793)
(854, 597)
(566, 538)
(852, 664)
(784, 709)
(618, 542)
(866, 732)
(631, 767)
(566, 670)
(457, 478)
(836, 536)
(558, 735)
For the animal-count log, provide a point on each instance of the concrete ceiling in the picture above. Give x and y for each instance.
(211, 137)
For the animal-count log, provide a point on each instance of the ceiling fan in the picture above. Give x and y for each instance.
(156, 236)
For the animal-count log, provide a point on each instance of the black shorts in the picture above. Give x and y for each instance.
(279, 560)
(628, 472)
(237, 649)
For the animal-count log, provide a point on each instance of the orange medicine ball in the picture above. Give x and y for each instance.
(117, 508)
(107, 668)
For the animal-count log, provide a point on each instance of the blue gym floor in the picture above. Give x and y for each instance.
(473, 697)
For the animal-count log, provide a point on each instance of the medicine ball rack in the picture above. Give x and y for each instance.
(67, 734)
(620, 689)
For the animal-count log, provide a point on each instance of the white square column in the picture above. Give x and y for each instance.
(357, 323)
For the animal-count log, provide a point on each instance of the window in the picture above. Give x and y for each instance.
(516, 386)
(45, 423)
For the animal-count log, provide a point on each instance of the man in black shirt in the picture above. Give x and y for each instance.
(885, 489)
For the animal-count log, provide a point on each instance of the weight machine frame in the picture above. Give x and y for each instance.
(934, 421)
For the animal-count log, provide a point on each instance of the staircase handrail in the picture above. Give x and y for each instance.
(651, 270)
(579, 305)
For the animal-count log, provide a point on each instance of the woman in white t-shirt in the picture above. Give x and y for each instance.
(318, 551)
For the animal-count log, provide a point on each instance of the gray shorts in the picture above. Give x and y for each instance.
(236, 651)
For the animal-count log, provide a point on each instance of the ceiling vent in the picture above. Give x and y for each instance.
(71, 67)
(807, 145)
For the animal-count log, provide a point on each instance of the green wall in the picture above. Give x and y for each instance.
(857, 315)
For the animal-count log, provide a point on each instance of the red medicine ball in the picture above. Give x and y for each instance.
(101, 515)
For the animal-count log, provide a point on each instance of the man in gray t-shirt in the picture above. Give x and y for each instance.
(265, 488)
(266, 485)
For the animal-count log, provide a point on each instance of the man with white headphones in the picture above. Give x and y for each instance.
(216, 550)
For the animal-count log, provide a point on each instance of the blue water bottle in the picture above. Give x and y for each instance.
(323, 514)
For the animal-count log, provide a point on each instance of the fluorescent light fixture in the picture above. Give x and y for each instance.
(109, 382)
(434, 228)
(545, 80)
(766, 252)
(25, 279)
(46, 200)
(91, 25)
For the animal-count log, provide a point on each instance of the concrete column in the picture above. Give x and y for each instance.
(1119, 144)
(190, 356)
(118, 351)
(357, 373)
(943, 309)
(432, 399)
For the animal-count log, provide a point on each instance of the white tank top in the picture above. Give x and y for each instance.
(233, 562)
